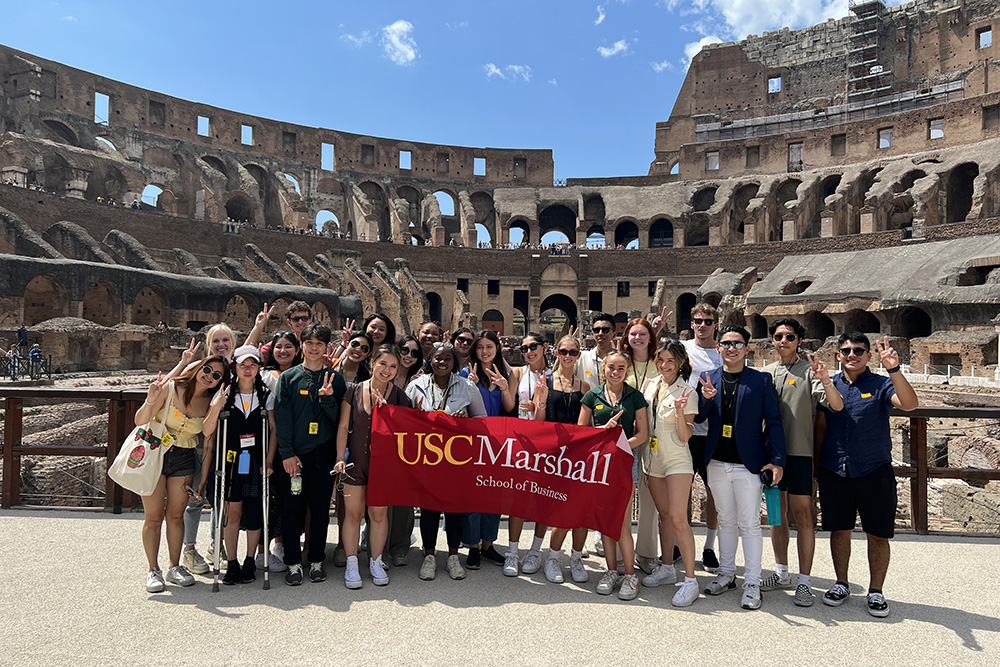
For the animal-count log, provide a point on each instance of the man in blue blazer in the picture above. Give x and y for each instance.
(745, 437)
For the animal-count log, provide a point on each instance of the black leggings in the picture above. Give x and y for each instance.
(453, 523)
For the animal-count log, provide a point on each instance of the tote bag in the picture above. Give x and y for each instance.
(140, 458)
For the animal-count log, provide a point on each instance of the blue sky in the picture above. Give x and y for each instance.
(586, 78)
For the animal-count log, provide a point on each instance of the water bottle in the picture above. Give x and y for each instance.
(772, 497)
(296, 483)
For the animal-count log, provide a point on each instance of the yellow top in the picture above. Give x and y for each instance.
(184, 429)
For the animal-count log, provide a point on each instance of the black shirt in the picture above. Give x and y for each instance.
(726, 450)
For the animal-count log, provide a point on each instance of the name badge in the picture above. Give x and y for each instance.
(243, 467)
(866, 395)
(598, 407)
(246, 441)
(313, 428)
(304, 392)
(653, 443)
(727, 431)
(230, 456)
(790, 381)
(166, 439)
(588, 372)
(246, 405)
(178, 414)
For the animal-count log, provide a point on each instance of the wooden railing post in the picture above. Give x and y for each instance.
(116, 419)
(12, 428)
(918, 483)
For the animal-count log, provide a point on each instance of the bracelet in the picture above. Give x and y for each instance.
(828, 383)
(890, 371)
(146, 402)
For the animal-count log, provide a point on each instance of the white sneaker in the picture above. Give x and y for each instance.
(663, 574)
(630, 587)
(154, 581)
(553, 570)
(510, 565)
(179, 575)
(751, 596)
(608, 582)
(428, 569)
(686, 594)
(352, 578)
(194, 562)
(598, 545)
(377, 568)
(577, 571)
(454, 567)
(276, 563)
(258, 560)
(532, 562)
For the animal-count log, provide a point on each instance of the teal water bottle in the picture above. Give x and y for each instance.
(772, 496)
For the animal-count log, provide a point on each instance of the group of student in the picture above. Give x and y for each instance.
(686, 407)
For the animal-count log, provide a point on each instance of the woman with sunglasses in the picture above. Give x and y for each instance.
(378, 326)
(562, 398)
(526, 379)
(462, 340)
(411, 358)
(353, 367)
(491, 374)
(667, 466)
(354, 438)
(194, 409)
(616, 403)
(440, 389)
(802, 386)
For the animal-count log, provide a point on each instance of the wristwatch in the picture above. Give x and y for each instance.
(890, 371)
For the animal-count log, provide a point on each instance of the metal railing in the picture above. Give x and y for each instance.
(15, 368)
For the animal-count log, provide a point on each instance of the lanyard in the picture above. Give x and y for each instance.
(444, 394)
(656, 404)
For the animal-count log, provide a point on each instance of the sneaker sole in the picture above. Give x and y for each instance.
(682, 603)
(510, 573)
(155, 589)
(878, 614)
(731, 587)
(833, 603)
(353, 585)
(803, 604)
(580, 580)
(750, 607)
(600, 592)
(471, 567)
(293, 583)
(555, 581)
(457, 577)
(380, 582)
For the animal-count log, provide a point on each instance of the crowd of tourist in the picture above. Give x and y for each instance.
(686, 407)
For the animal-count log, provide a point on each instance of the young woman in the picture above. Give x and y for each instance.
(355, 436)
(639, 342)
(353, 367)
(615, 403)
(526, 379)
(429, 334)
(378, 326)
(192, 410)
(490, 373)
(441, 389)
(411, 358)
(463, 340)
(667, 465)
(562, 395)
(286, 351)
(221, 340)
(250, 405)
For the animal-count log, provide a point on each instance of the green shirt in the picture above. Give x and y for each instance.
(298, 404)
(799, 392)
(631, 402)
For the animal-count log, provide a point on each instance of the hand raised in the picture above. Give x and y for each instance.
(220, 398)
(662, 319)
(541, 390)
(820, 371)
(265, 314)
(681, 402)
(345, 335)
(155, 388)
(377, 397)
(889, 356)
(327, 388)
(707, 390)
(472, 373)
(189, 355)
(496, 378)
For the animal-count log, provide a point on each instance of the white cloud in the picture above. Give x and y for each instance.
(457, 26)
(357, 40)
(70, 19)
(508, 72)
(740, 18)
(553, 82)
(662, 66)
(600, 15)
(398, 43)
(691, 49)
(619, 47)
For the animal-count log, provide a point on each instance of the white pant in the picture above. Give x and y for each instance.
(737, 493)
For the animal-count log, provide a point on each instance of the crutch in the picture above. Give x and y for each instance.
(219, 495)
(265, 430)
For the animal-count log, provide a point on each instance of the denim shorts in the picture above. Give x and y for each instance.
(179, 462)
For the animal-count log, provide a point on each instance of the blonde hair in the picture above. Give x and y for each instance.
(565, 339)
(210, 336)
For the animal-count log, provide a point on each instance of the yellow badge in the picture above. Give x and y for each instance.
(727, 431)
(653, 442)
(790, 381)
(166, 439)
(231, 456)
(313, 428)
(866, 395)
(304, 392)
(598, 407)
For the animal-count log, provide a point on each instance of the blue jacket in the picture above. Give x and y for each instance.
(760, 439)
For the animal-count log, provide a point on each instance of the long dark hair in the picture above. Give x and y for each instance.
(677, 350)
(498, 360)
(271, 364)
(415, 368)
(390, 328)
(259, 388)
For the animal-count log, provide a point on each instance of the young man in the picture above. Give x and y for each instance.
(704, 357)
(307, 412)
(855, 463)
(802, 386)
(588, 368)
(745, 437)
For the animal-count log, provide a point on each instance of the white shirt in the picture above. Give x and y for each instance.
(588, 368)
(702, 359)
(461, 394)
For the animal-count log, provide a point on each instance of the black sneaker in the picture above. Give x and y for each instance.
(293, 577)
(317, 572)
(249, 570)
(709, 559)
(836, 595)
(233, 573)
(474, 559)
(493, 556)
(877, 606)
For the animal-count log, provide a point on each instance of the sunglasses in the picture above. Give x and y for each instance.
(364, 348)
(409, 351)
(702, 320)
(732, 345)
(602, 330)
(207, 370)
(300, 318)
(858, 351)
(530, 348)
(789, 337)
(463, 340)
(570, 353)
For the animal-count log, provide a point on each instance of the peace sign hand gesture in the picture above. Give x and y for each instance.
(496, 378)
(264, 315)
(820, 371)
(889, 356)
(541, 391)
(662, 319)
(155, 388)
(345, 335)
(219, 399)
(327, 388)
(472, 373)
(188, 355)
(614, 420)
(377, 397)
(707, 390)
(681, 402)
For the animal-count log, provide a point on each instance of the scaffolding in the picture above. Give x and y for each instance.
(867, 75)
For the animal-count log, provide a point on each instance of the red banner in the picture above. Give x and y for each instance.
(555, 474)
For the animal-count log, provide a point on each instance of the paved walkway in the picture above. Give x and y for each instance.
(72, 591)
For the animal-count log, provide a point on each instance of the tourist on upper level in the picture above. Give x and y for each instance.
(855, 463)
(745, 437)
(429, 334)
(639, 342)
(610, 404)
(307, 413)
(491, 375)
(462, 339)
(802, 386)
(193, 410)
(354, 446)
(704, 357)
(668, 466)
(526, 379)
(35, 357)
(13, 356)
(440, 389)
(559, 400)
(22, 336)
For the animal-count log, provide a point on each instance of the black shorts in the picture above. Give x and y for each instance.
(797, 477)
(697, 443)
(873, 496)
(179, 462)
